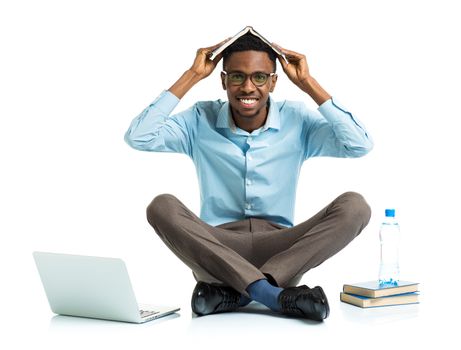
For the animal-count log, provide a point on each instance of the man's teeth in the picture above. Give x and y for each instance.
(248, 101)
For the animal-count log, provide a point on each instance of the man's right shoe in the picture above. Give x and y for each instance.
(208, 299)
(304, 302)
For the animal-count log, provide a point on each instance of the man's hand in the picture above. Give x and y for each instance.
(200, 69)
(297, 71)
(202, 65)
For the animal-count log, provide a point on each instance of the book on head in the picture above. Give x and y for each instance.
(390, 300)
(247, 29)
(373, 289)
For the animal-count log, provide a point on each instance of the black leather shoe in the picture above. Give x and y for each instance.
(208, 299)
(304, 302)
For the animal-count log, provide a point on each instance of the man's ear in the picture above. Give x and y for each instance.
(223, 80)
(273, 82)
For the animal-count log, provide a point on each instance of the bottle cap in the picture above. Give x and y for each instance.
(390, 213)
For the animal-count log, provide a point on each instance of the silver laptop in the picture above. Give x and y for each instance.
(94, 287)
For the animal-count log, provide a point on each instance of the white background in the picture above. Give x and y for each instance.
(73, 74)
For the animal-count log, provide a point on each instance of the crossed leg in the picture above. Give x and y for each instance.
(239, 253)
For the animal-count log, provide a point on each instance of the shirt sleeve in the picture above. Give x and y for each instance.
(155, 130)
(336, 132)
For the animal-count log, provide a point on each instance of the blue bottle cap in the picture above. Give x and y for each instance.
(390, 213)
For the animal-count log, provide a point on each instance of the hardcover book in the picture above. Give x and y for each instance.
(247, 29)
(373, 289)
(390, 300)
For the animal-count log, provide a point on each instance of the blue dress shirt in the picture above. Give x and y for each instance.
(244, 174)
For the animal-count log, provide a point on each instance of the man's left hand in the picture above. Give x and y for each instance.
(298, 71)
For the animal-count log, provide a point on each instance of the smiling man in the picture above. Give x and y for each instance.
(248, 153)
(248, 98)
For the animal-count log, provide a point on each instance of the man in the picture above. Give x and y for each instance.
(248, 154)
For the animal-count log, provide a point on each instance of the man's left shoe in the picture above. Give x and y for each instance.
(208, 299)
(304, 302)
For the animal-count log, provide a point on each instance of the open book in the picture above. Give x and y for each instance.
(247, 29)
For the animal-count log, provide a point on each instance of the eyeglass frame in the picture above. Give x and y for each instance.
(269, 75)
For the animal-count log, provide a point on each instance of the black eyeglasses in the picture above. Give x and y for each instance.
(238, 78)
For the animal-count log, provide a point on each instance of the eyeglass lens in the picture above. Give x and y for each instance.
(257, 78)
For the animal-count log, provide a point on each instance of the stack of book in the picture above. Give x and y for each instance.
(372, 294)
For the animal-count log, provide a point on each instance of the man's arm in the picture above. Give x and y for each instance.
(154, 129)
(200, 69)
(333, 131)
(298, 71)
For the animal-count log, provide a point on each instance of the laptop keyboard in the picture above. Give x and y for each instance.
(146, 313)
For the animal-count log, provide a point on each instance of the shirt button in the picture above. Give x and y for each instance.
(249, 182)
(248, 205)
(250, 157)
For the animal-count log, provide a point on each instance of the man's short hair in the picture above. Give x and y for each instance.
(249, 42)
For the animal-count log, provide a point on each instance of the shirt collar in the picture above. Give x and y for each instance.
(225, 120)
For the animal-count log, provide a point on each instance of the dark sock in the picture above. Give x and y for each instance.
(265, 293)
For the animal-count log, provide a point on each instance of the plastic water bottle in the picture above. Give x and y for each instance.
(389, 236)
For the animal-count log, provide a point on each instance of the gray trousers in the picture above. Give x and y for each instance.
(239, 253)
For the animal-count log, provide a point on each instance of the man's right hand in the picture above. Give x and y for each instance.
(200, 69)
(202, 65)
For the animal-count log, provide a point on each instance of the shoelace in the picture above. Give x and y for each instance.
(230, 301)
(289, 301)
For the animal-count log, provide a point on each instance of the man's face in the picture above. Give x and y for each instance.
(248, 100)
